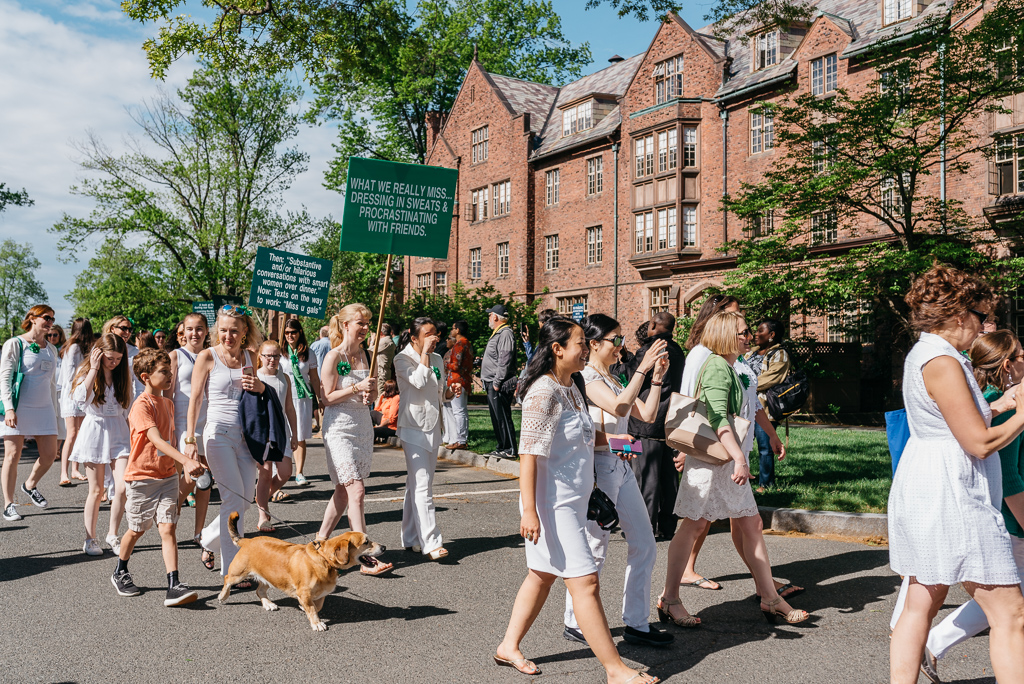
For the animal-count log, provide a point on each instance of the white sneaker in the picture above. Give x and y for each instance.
(114, 543)
(92, 547)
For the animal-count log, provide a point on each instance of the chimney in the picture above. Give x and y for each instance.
(615, 59)
(434, 121)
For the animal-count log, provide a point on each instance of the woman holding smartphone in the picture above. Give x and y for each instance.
(611, 403)
(222, 373)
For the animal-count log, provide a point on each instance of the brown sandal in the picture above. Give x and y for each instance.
(772, 615)
(687, 621)
(208, 559)
(379, 568)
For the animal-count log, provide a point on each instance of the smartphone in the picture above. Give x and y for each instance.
(247, 370)
(624, 446)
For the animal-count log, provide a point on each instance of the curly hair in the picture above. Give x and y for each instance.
(942, 293)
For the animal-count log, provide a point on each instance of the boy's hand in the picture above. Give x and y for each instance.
(194, 468)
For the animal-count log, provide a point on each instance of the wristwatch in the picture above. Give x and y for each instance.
(190, 440)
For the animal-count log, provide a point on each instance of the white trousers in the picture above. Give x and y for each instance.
(963, 623)
(456, 419)
(419, 524)
(233, 469)
(616, 479)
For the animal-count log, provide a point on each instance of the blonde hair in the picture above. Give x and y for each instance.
(110, 324)
(252, 338)
(347, 313)
(721, 333)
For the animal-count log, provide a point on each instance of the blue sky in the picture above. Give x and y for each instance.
(72, 67)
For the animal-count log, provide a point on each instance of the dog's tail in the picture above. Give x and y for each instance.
(233, 527)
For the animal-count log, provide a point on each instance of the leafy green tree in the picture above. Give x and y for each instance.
(126, 281)
(15, 198)
(19, 288)
(209, 196)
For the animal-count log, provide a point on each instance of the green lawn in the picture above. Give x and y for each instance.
(826, 469)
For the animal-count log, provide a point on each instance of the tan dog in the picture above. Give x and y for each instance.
(304, 572)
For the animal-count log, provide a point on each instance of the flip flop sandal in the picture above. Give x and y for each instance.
(701, 581)
(279, 495)
(519, 664)
(65, 483)
(80, 477)
(266, 528)
(379, 568)
(208, 559)
(781, 592)
(647, 678)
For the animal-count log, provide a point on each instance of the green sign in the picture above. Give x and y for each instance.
(293, 283)
(395, 208)
(209, 307)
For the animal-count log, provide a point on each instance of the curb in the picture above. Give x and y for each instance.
(858, 525)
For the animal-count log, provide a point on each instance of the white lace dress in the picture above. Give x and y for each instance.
(348, 434)
(558, 430)
(944, 521)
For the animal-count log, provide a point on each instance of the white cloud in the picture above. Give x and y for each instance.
(62, 80)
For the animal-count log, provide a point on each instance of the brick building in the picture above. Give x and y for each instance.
(606, 192)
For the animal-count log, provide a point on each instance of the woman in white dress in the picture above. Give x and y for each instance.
(194, 333)
(611, 404)
(103, 387)
(72, 355)
(348, 428)
(122, 326)
(305, 385)
(557, 476)
(273, 474)
(37, 407)
(945, 526)
(712, 492)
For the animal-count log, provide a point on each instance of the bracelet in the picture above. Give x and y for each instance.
(657, 384)
(190, 440)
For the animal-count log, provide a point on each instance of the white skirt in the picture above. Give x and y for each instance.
(303, 418)
(102, 440)
(32, 422)
(707, 492)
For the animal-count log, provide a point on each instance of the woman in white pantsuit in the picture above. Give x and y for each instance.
(421, 392)
(222, 373)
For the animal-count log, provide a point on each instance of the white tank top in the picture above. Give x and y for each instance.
(183, 392)
(223, 391)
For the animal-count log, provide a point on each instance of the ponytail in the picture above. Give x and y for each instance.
(557, 329)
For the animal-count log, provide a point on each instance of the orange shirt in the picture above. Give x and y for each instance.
(144, 461)
(459, 363)
(388, 408)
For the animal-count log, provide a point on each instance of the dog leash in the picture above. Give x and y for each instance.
(316, 543)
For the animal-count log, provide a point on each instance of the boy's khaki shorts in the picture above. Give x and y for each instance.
(149, 500)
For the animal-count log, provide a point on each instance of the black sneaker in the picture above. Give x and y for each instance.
(37, 498)
(11, 513)
(573, 634)
(122, 581)
(180, 594)
(655, 637)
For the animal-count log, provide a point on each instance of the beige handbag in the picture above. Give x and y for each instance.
(688, 430)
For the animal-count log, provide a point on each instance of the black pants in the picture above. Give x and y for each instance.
(659, 482)
(382, 432)
(500, 406)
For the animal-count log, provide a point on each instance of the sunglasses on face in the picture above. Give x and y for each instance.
(48, 319)
(291, 332)
(53, 334)
(982, 317)
(616, 341)
(123, 328)
(745, 333)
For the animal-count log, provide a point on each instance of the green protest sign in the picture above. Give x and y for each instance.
(210, 307)
(293, 283)
(395, 208)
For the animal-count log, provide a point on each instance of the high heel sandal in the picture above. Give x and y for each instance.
(792, 617)
(688, 621)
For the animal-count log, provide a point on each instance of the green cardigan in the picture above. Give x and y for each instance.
(1012, 463)
(721, 391)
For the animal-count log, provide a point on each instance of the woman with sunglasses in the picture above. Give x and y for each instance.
(612, 401)
(37, 408)
(72, 354)
(305, 385)
(122, 327)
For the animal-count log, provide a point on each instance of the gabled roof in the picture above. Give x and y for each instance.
(841, 23)
(526, 97)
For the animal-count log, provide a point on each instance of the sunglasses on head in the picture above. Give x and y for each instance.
(239, 309)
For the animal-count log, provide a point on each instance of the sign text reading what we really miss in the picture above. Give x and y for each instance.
(398, 208)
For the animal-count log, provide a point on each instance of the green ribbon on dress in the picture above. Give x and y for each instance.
(302, 390)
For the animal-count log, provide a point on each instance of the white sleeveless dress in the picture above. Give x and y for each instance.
(348, 433)
(182, 395)
(944, 521)
(69, 364)
(303, 407)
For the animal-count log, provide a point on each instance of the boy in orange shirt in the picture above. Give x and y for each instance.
(151, 479)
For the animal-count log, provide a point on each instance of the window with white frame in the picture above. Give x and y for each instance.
(502, 252)
(689, 226)
(578, 118)
(894, 84)
(644, 156)
(480, 137)
(595, 245)
(844, 323)
(766, 49)
(762, 133)
(551, 252)
(824, 228)
(423, 282)
(668, 150)
(643, 227)
(896, 10)
(824, 74)
(441, 283)
(689, 146)
(481, 203)
(668, 79)
(595, 175)
(761, 225)
(475, 263)
(1008, 59)
(551, 186)
(891, 197)
(502, 198)
(566, 304)
(823, 155)
(1009, 166)
(658, 299)
(667, 228)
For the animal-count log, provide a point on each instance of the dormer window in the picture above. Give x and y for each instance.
(578, 118)
(895, 10)
(766, 49)
(668, 79)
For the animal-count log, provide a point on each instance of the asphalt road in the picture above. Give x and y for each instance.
(425, 622)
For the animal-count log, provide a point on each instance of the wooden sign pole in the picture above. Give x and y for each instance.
(380, 317)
